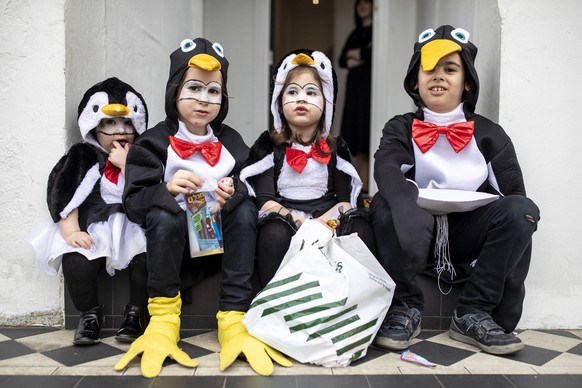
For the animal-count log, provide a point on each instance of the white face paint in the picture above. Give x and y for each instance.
(194, 89)
(116, 126)
(309, 94)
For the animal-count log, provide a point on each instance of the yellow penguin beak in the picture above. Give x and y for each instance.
(116, 110)
(432, 52)
(205, 62)
(303, 59)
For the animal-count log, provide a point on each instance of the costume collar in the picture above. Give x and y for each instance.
(184, 134)
(457, 115)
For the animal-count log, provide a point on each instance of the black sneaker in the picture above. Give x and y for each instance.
(480, 329)
(401, 325)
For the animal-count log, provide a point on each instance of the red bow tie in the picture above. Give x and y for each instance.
(426, 134)
(297, 159)
(111, 172)
(210, 151)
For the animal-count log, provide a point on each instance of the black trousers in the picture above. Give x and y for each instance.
(167, 247)
(275, 236)
(81, 278)
(498, 236)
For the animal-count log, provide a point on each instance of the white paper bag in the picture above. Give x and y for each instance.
(326, 302)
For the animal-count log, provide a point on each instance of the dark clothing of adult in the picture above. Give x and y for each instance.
(355, 128)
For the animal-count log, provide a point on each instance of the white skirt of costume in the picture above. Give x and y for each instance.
(118, 240)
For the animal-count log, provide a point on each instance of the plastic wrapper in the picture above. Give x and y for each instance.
(204, 222)
(407, 355)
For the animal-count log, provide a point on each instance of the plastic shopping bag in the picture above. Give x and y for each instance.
(326, 302)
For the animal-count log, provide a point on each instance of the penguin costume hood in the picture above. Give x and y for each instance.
(109, 99)
(431, 46)
(199, 53)
(322, 64)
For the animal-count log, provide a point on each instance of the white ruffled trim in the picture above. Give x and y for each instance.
(348, 168)
(310, 184)
(117, 239)
(256, 169)
(83, 191)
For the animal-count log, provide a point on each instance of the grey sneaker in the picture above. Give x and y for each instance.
(401, 325)
(480, 329)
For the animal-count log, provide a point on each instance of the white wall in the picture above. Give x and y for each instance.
(51, 53)
(129, 39)
(32, 107)
(539, 102)
(246, 48)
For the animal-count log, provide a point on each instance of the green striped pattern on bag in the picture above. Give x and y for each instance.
(321, 326)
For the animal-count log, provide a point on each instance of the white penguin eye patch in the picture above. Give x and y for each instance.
(309, 93)
(194, 89)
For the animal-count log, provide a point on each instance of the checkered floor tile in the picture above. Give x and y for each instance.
(550, 358)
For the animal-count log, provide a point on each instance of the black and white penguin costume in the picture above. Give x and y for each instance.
(151, 163)
(78, 182)
(146, 186)
(311, 192)
(487, 164)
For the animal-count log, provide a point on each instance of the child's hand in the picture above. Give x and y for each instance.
(225, 191)
(118, 154)
(184, 182)
(79, 239)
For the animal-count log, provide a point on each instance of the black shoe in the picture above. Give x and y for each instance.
(132, 325)
(480, 329)
(401, 325)
(89, 328)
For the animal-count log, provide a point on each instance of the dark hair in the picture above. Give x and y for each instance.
(357, 18)
(286, 135)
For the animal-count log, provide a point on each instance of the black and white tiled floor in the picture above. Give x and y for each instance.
(45, 357)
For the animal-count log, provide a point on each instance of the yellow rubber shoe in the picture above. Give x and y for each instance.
(160, 338)
(235, 339)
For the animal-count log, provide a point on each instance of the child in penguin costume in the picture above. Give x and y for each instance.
(89, 229)
(299, 170)
(445, 148)
(192, 147)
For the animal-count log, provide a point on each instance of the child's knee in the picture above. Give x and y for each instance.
(244, 214)
(522, 209)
